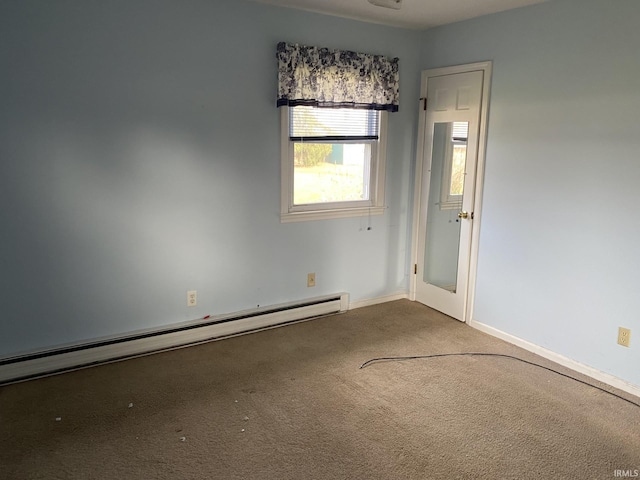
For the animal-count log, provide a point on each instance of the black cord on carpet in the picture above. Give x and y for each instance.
(480, 354)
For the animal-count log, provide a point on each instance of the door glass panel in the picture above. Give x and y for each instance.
(449, 155)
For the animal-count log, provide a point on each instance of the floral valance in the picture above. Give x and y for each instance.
(322, 77)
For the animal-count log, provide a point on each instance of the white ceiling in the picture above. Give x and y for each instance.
(418, 14)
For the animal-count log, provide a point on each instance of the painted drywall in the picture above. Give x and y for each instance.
(558, 252)
(139, 159)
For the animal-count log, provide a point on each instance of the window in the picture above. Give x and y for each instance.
(453, 170)
(334, 107)
(333, 162)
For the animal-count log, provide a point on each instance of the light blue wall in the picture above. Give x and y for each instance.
(559, 261)
(139, 159)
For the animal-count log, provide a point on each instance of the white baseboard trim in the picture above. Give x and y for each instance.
(72, 357)
(375, 301)
(559, 359)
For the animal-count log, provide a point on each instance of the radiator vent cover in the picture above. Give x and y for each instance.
(72, 357)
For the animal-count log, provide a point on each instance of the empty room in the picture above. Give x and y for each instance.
(309, 239)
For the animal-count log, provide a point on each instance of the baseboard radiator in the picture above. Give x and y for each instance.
(72, 357)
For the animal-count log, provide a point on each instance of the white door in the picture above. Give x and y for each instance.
(446, 189)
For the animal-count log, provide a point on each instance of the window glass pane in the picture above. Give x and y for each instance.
(459, 134)
(457, 168)
(343, 122)
(325, 172)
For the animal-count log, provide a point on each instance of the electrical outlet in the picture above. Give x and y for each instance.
(624, 336)
(192, 298)
(311, 279)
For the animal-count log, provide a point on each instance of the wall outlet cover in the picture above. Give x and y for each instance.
(624, 336)
(192, 298)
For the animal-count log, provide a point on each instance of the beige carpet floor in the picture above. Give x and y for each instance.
(292, 403)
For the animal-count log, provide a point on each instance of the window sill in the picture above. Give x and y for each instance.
(329, 214)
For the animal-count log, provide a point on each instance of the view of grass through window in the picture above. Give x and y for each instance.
(336, 174)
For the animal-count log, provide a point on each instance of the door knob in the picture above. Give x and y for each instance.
(463, 215)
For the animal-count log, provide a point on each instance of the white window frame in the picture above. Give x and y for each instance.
(320, 211)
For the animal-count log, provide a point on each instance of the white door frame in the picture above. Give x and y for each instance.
(420, 150)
